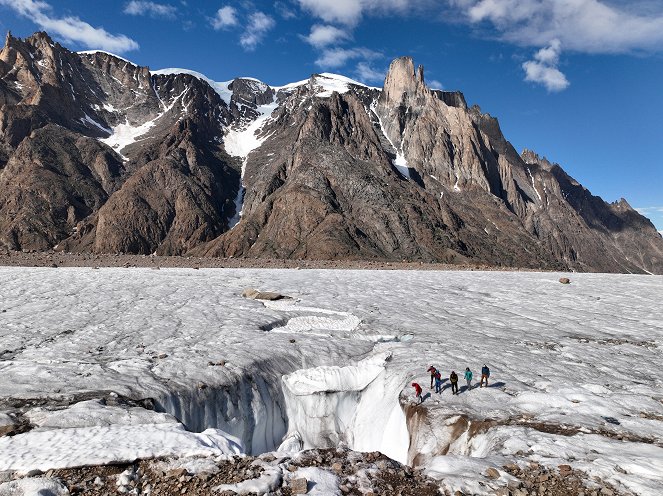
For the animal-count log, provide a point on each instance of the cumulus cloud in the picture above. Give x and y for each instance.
(259, 25)
(332, 58)
(70, 28)
(153, 9)
(543, 69)
(349, 12)
(588, 26)
(225, 17)
(365, 73)
(325, 35)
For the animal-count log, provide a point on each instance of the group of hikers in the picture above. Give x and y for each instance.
(436, 379)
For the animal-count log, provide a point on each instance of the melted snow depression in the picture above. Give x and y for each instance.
(176, 362)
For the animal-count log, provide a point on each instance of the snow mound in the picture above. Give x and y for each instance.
(335, 379)
(33, 486)
(94, 412)
(100, 445)
(270, 480)
(322, 323)
(321, 482)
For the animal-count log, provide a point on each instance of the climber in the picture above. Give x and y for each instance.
(485, 374)
(453, 379)
(438, 382)
(417, 390)
(432, 371)
(468, 378)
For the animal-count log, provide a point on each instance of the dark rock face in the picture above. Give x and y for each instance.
(171, 188)
(97, 154)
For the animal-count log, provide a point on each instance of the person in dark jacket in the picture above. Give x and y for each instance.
(453, 379)
(432, 371)
(485, 374)
(438, 382)
(417, 390)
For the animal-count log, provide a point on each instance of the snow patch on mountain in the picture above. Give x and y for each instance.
(125, 134)
(89, 120)
(242, 140)
(324, 84)
(220, 87)
(92, 52)
(400, 162)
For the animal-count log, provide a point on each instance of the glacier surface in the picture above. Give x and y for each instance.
(575, 368)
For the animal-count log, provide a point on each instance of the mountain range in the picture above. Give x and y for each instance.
(100, 155)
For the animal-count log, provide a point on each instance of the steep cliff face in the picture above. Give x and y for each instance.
(155, 179)
(98, 154)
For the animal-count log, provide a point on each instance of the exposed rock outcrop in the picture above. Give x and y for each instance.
(98, 154)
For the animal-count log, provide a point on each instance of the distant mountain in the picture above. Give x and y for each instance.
(100, 155)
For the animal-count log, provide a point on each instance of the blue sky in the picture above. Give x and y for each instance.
(578, 81)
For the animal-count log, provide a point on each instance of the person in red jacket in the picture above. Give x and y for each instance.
(432, 371)
(417, 390)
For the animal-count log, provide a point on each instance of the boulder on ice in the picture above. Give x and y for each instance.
(254, 294)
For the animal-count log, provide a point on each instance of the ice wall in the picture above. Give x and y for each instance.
(251, 410)
(357, 404)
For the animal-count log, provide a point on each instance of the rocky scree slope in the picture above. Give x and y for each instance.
(100, 155)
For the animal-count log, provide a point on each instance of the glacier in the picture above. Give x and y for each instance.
(139, 356)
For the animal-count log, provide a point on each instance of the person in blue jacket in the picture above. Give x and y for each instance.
(485, 374)
(468, 378)
(438, 382)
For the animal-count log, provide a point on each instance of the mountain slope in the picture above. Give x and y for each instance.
(98, 154)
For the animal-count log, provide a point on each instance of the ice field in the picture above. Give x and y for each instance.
(119, 364)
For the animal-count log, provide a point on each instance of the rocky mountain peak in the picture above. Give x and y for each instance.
(402, 80)
(325, 168)
(251, 91)
(532, 158)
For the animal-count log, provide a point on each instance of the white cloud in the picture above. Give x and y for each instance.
(284, 10)
(225, 17)
(435, 84)
(349, 12)
(550, 55)
(336, 57)
(259, 25)
(324, 35)
(343, 11)
(552, 78)
(70, 28)
(141, 7)
(365, 73)
(543, 69)
(650, 210)
(654, 214)
(588, 26)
